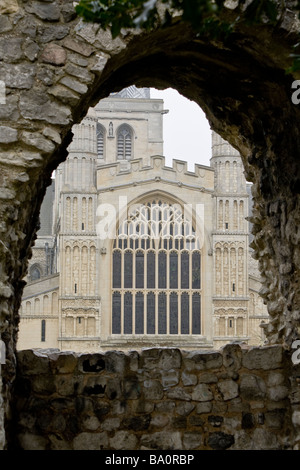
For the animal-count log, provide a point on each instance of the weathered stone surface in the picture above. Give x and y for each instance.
(90, 441)
(229, 389)
(202, 392)
(20, 76)
(162, 441)
(189, 379)
(252, 387)
(78, 46)
(260, 358)
(36, 140)
(11, 51)
(220, 440)
(5, 24)
(170, 378)
(74, 85)
(45, 11)
(8, 6)
(123, 441)
(153, 390)
(54, 54)
(38, 106)
(207, 360)
(8, 135)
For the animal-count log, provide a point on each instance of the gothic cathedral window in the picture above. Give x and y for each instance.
(100, 140)
(124, 142)
(156, 273)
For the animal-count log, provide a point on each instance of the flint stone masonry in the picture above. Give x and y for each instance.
(243, 88)
(115, 401)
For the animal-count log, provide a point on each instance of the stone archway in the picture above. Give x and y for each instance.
(54, 67)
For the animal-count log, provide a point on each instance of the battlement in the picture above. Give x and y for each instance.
(136, 172)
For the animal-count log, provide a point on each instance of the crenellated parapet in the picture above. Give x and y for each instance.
(135, 172)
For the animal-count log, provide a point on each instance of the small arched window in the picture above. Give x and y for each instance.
(124, 143)
(43, 330)
(35, 273)
(100, 140)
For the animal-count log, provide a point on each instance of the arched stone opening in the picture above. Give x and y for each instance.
(54, 68)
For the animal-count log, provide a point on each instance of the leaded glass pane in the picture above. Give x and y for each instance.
(117, 271)
(116, 313)
(196, 270)
(173, 314)
(128, 313)
(185, 321)
(139, 270)
(128, 270)
(151, 313)
(150, 270)
(185, 270)
(139, 313)
(196, 314)
(162, 314)
(162, 270)
(173, 270)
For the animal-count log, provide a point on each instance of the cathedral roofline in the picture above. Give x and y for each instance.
(136, 172)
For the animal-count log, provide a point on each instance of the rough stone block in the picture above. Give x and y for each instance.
(37, 106)
(192, 440)
(74, 85)
(90, 441)
(170, 378)
(8, 135)
(170, 359)
(35, 139)
(162, 440)
(202, 392)
(123, 440)
(153, 390)
(207, 360)
(184, 408)
(265, 358)
(45, 11)
(54, 32)
(19, 76)
(252, 387)
(278, 393)
(54, 54)
(78, 46)
(188, 379)
(179, 393)
(220, 440)
(91, 363)
(229, 389)
(11, 51)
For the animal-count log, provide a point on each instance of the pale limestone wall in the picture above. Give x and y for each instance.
(238, 398)
(40, 303)
(143, 116)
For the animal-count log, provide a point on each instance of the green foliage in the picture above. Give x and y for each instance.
(117, 14)
(203, 15)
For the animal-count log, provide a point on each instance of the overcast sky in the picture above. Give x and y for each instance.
(187, 135)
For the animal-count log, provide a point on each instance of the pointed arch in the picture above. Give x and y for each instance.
(124, 142)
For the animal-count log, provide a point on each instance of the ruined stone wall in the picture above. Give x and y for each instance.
(163, 399)
(53, 68)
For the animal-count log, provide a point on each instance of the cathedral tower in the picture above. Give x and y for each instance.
(230, 244)
(76, 199)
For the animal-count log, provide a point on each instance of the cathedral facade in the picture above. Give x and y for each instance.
(132, 253)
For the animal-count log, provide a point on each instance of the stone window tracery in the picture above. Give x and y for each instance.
(100, 140)
(124, 142)
(156, 273)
